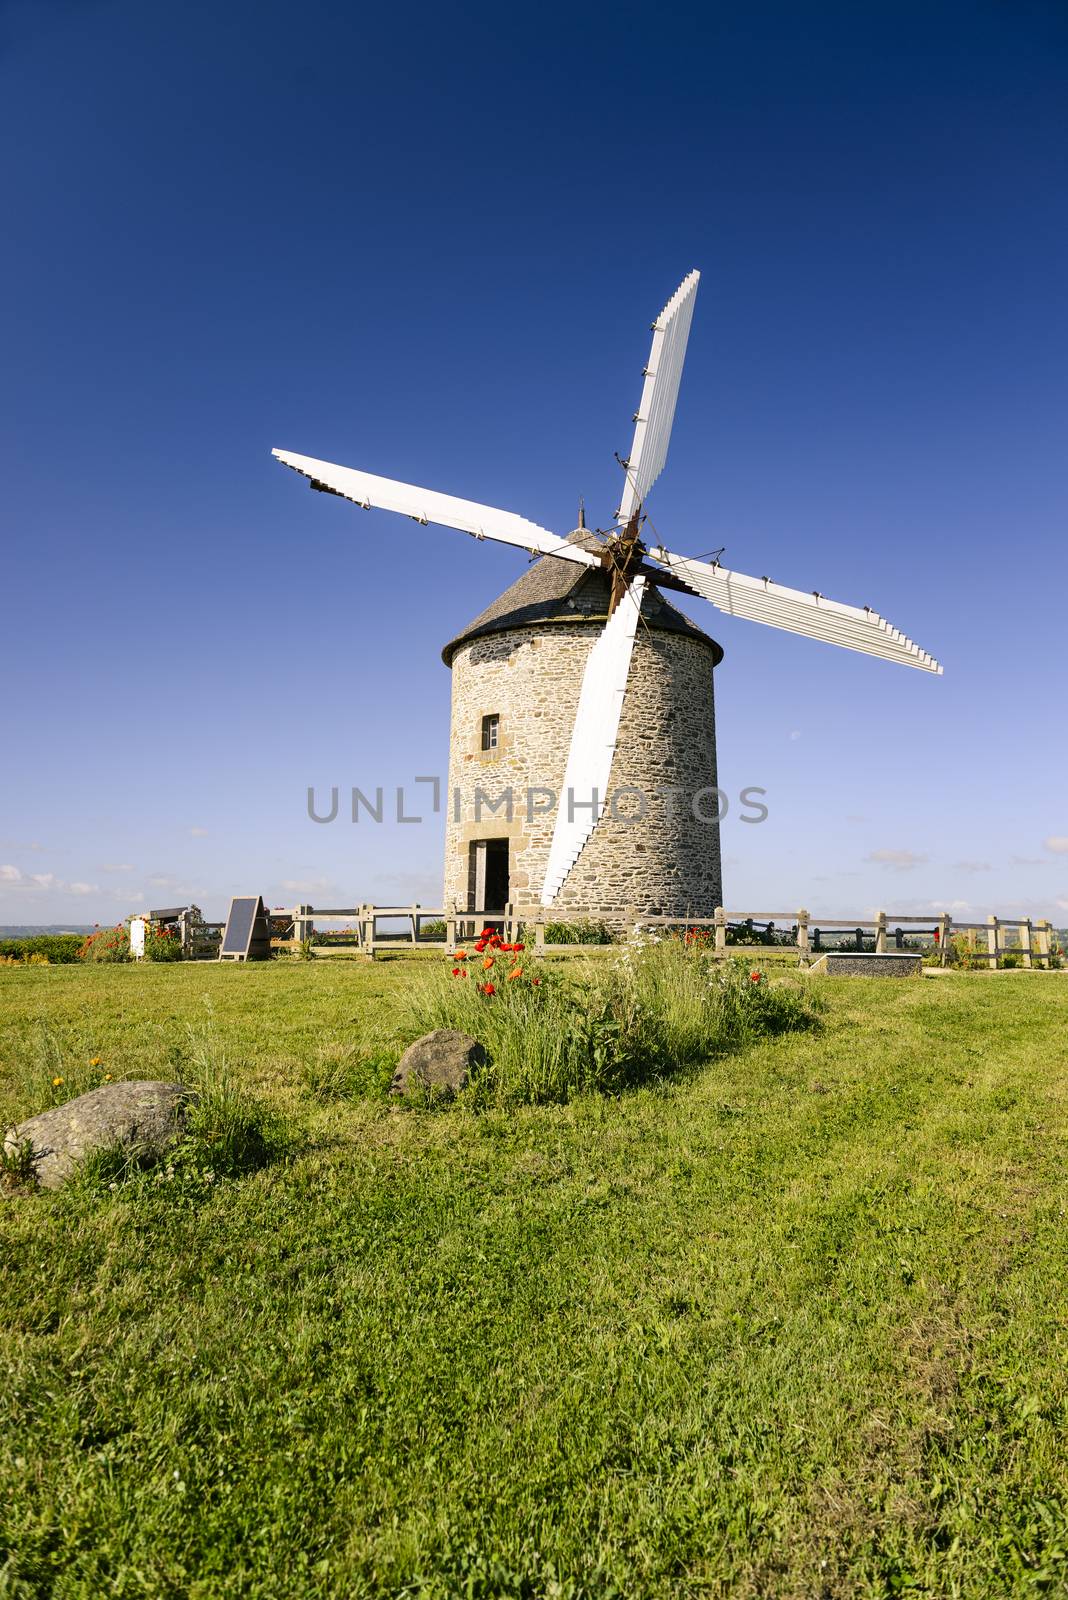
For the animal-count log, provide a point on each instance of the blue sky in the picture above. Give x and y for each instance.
(429, 242)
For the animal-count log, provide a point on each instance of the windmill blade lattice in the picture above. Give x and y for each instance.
(428, 505)
(593, 740)
(656, 409)
(760, 600)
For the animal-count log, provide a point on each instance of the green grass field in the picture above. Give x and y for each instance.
(795, 1324)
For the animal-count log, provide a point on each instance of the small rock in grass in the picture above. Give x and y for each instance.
(440, 1062)
(143, 1117)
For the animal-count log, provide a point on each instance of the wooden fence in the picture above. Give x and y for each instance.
(1031, 943)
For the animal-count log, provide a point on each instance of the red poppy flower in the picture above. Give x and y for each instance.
(488, 988)
(516, 972)
(487, 963)
(536, 982)
(518, 947)
(456, 972)
(754, 977)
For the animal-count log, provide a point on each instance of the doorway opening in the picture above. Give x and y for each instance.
(487, 888)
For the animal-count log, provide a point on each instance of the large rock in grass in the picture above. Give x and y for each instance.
(438, 1063)
(143, 1118)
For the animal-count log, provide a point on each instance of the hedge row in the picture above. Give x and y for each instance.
(56, 946)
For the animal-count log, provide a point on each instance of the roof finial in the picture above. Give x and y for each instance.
(582, 512)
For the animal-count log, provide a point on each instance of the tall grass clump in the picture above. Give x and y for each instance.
(697, 1007)
(227, 1129)
(550, 1035)
(541, 1043)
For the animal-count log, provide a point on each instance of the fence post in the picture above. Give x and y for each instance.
(720, 917)
(803, 951)
(450, 929)
(369, 931)
(946, 921)
(539, 934)
(992, 942)
(880, 934)
(1025, 941)
(1044, 939)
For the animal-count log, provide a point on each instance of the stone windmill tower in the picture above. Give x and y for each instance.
(517, 674)
(582, 682)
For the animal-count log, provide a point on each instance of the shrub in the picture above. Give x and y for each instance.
(162, 944)
(583, 931)
(55, 947)
(107, 944)
(961, 954)
(747, 933)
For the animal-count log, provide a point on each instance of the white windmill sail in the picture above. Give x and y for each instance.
(656, 409)
(427, 505)
(593, 740)
(760, 600)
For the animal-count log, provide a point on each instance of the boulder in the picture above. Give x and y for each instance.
(439, 1062)
(144, 1117)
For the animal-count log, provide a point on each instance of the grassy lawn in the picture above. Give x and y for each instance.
(793, 1325)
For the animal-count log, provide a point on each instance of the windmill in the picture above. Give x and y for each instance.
(631, 569)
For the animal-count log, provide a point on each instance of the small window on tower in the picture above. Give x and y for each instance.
(491, 727)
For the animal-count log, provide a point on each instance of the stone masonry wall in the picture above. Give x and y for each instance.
(667, 862)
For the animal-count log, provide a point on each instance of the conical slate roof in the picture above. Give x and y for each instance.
(561, 591)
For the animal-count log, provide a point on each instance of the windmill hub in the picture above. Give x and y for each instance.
(618, 699)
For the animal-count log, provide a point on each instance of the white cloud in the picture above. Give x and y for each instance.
(796, 733)
(198, 833)
(1058, 843)
(902, 860)
(118, 866)
(971, 866)
(37, 882)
